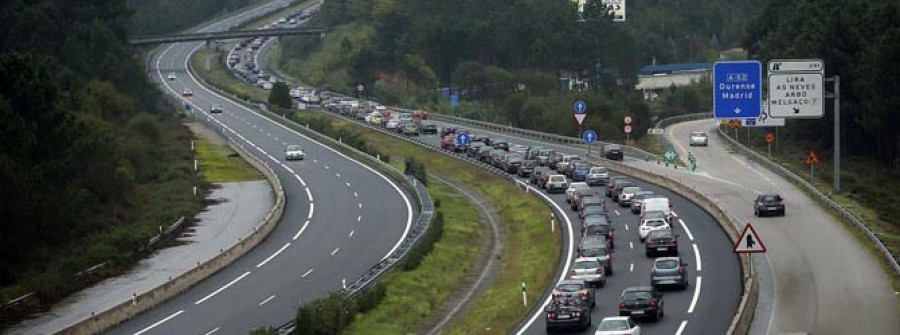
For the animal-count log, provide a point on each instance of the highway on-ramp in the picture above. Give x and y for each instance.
(825, 281)
(341, 218)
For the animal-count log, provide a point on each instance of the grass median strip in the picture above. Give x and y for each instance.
(413, 295)
(218, 166)
(531, 252)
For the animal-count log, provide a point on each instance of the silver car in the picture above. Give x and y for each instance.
(589, 270)
(627, 194)
(571, 288)
(669, 271)
(598, 175)
(557, 184)
(637, 199)
(699, 138)
(293, 152)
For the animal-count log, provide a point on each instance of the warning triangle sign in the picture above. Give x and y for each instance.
(580, 118)
(812, 159)
(749, 242)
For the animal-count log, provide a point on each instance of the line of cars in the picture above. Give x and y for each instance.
(411, 123)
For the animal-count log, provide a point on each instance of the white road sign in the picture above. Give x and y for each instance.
(764, 120)
(655, 131)
(749, 242)
(616, 8)
(796, 95)
(796, 65)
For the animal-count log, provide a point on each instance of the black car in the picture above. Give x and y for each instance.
(512, 163)
(661, 242)
(429, 129)
(484, 154)
(554, 158)
(641, 301)
(481, 138)
(474, 148)
(538, 173)
(527, 168)
(572, 288)
(770, 203)
(613, 152)
(580, 194)
(501, 144)
(566, 313)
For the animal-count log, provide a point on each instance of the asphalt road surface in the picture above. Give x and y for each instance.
(341, 218)
(825, 281)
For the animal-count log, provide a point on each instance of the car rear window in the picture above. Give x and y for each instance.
(585, 265)
(570, 287)
(654, 223)
(594, 252)
(666, 264)
(661, 234)
(598, 170)
(613, 325)
(654, 215)
(637, 295)
(771, 198)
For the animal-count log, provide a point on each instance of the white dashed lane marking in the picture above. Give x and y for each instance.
(306, 273)
(267, 300)
(335, 251)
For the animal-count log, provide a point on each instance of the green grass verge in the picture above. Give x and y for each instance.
(217, 166)
(531, 252)
(219, 76)
(413, 295)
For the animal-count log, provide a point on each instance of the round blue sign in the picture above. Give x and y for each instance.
(580, 107)
(589, 136)
(462, 138)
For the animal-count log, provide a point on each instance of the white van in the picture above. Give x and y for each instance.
(657, 204)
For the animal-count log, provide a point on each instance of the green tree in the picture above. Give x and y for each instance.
(280, 95)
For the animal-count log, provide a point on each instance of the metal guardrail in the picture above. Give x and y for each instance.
(849, 217)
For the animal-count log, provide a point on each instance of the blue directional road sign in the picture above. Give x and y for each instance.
(590, 136)
(462, 138)
(454, 101)
(737, 89)
(580, 107)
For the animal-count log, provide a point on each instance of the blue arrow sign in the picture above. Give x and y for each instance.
(462, 138)
(454, 101)
(737, 89)
(589, 136)
(580, 107)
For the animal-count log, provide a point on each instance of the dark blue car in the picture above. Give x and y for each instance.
(581, 172)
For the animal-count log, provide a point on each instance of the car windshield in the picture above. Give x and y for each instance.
(666, 264)
(581, 265)
(613, 325)
(598, 170)
(569, 287)
(594, 252)
(638, 295)
(771, 198)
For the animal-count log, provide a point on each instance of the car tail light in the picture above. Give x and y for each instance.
(584, 293)
(551, 315)
(681, 270)
(622, 305)
(576, 314)
(599, 270)
(649, 242)
(653, 303)
(557, 294)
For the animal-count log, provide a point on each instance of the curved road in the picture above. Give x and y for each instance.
(341, 218)
(825, 281)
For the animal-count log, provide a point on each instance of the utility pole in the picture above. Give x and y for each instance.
(837, 133)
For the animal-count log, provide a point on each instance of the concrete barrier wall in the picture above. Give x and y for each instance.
(740, 323)
(129, 309)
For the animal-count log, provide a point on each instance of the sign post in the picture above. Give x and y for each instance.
(589, 136)
(736, 125)
(812, 160)
(627, 128)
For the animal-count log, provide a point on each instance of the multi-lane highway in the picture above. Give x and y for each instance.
(341, 218)
(823, 280)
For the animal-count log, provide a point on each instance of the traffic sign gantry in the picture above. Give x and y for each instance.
(749, 242)
(737, 89)
(590, 136)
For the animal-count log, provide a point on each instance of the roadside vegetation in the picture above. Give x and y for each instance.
(218, 164)
(531, 251)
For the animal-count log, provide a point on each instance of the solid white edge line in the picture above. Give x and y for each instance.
(170, 317)
(540, 311)
(267, 300)
(681, 327)
(299, 232)
(696, 295)
(409, 210)
(697, 257)
(312, 207)
(273, 255)
(686, 230)
(213, 331)
(222, 288)
(309, 194)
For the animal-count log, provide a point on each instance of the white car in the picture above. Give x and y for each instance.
(589, 270)
(627, 194)
(658, 204)
(171, 75)
(293, 152)
(649, 224)
(570, 192)
(699, 138)
(392, 124)
(556, 183)
(618, 325)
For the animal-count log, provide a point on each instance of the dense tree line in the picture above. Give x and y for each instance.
(91, 160)
(505, 57)
(858, 40)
